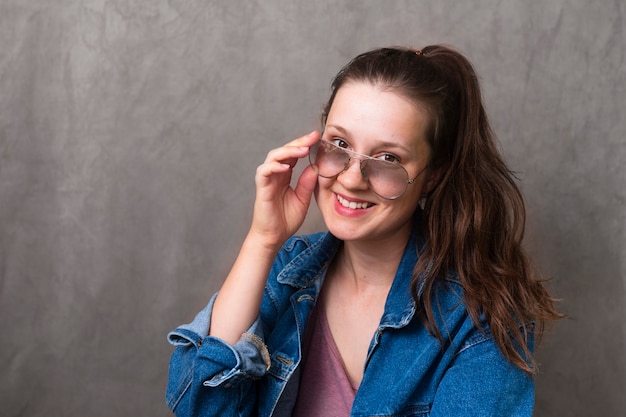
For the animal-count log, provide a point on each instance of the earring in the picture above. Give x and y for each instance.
(422, 202)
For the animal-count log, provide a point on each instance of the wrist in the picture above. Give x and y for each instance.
(263, 243)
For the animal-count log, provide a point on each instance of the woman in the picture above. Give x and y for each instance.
(418, 301)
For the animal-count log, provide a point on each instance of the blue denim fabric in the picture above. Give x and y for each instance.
(407, 372)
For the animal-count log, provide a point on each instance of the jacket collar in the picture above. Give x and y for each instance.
(309, 265)
(400, 306)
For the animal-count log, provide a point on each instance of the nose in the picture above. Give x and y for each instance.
(352, 177)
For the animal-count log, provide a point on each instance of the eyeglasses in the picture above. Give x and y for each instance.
(388, 180)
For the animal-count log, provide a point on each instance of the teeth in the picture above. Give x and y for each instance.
(352, 204)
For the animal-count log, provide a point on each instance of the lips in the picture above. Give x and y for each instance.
(354, 205)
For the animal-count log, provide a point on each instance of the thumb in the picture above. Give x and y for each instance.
(306, 185)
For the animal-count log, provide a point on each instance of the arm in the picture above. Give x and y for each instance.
(279, 211)
(221, 353)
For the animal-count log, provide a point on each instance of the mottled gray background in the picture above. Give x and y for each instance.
(129, 135)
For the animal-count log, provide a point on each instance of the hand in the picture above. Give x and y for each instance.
(279, 210)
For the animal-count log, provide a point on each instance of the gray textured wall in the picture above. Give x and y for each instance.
(129, 135)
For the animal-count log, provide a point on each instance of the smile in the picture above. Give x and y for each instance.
(353, 204)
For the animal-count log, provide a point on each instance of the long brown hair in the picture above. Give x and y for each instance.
(474, 217)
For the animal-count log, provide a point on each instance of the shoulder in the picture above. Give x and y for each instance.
(468, 334)
(446, 294)
(443, 302)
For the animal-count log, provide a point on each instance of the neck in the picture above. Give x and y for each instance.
(369, 265)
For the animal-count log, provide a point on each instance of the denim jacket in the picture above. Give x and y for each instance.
(408, 372)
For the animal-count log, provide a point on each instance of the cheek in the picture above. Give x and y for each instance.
(321, 188)
(323, 185)
(411, 201)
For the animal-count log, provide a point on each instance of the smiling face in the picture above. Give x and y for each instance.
(373, 121)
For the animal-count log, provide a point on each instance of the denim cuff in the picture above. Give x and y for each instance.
(217, 362)
(194, 332)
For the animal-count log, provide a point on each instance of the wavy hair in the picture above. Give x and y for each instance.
(474, 218)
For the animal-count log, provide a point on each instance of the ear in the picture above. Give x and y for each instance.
(434, 175)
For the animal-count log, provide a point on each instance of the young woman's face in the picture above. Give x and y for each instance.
(380, 123)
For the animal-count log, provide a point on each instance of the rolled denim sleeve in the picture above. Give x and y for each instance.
(483, 383)
(207, 376)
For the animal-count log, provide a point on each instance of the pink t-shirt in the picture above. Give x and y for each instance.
(325, 388)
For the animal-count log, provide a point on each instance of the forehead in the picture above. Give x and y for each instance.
(372, 111)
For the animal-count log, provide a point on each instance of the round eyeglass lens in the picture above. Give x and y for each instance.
(386, 179)
(327, 159)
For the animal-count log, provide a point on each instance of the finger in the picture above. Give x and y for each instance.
(287, 154)
(306, 140)
(273, 167)
(298, 148)
(306, 185)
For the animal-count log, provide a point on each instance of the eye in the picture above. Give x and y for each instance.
(387, 157)
(340, 143)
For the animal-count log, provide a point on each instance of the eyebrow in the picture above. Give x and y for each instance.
(383, 143)
(339, 128)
